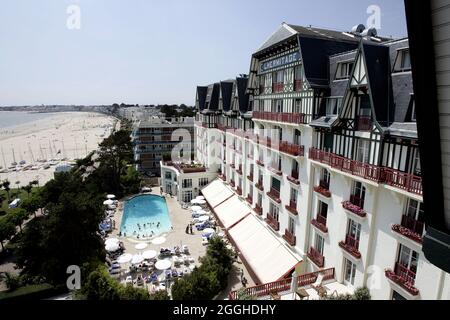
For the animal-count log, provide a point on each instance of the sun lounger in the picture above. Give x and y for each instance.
(185, 249)
(318, 286)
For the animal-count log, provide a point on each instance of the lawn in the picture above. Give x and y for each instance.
(14, 193)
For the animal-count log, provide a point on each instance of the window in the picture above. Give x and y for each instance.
(187, 196)
(362, 152)
(259, 202)
(318, 243)
(273, 211)
(350, 270)
(293, 196)
(359, 194)
(416, 164)
(276, 184)
(325, 179)
(187, 183)
(297, 137)
(168, 175)
(343, 70)
(277, 105)
(297, 106)
(203, 182)
(403, 61)
(413, 111)
(291, 225)
(333, 106)
(415, 210)
(298, 73)
(408, 258)
(295, 166)
(354, 232)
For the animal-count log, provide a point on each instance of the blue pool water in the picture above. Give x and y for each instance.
(148, 210)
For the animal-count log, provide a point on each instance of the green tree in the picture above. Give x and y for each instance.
(11, 281)
(5, 185)
(17, 217)
(7, 230)
(28, 189)
(32, 204)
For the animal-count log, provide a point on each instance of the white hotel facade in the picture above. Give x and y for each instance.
(320, 140)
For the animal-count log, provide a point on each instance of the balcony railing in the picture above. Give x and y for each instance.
(298, 85)
(250, 177)
(295, 118)
(274, 194)
(232, 183)
(351, 245)
(259, 163)
(363, 123)
(293, 177)
(410, 228)
(233, 165)
(272, 222)
(289, 237)
(185, 168)
(223, 177)
(404, 277)
(322, 189)
(249, 199)
(222, 127)
(258, 209)
(291, 148)
(320, 223)
(259, 185)
(264, 290)
(250, 156)
(395, 178)
(239, 170)
(278, 87)
(239, 190)
(276, 168)
(292, 207)
(316, 257)
(353, 206)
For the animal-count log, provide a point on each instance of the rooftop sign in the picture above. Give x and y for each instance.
(281, 61)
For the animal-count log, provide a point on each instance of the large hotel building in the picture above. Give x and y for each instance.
(313, 163)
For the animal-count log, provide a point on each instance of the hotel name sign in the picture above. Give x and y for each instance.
(281, 61)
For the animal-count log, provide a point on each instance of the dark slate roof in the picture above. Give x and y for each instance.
(226, 89)
(402, 129)
(315, 53)
(201, 96)
(212, 96)
(243, 96)
(324, 122)
(378, 72)
(338, 87)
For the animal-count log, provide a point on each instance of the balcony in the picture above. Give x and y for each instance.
(249, 199)
(323, 188)
(363, 123)
(185, 167)
(395, 178)
(291, 148)
(263, 291)
(403, 277)
(222, 127)
(239, 151)
(259, 185)
(250, 177)
(289, 237)
(320, 223)
(239, 190)
(316, 257)
(250, 156)
(298, 85)
(410, 228)
(292, 207)
(351, 245)
(232, 165)
(274, 195)
(258, 209)
(259, 163)
(294, 118)
(278, 87)
(272, 222)
(355, 206)
(232, 183)
(239, 170)
(223, 177)
(275, 168)
(293, 177)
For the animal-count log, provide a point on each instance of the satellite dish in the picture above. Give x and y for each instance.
(358, 28)
(372, 32)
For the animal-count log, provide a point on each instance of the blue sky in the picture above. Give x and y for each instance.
(147, 51)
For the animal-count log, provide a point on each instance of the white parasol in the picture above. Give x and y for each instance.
(194, 201)
(125, 258)
(111, 240)
(200, 198)
(149, 254)
(111, 247)
(196, 208)
(110, 196)
(208, 231)
(140, 246)
(203, 218)
(163, 264)
(108, 202)
(137, 258)
(159, 240)
(201, 201)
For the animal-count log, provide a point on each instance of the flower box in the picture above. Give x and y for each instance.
(347, 205)
(325, 192)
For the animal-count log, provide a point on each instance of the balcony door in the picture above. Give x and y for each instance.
(319, 243)
(273, 211)
(297, 106)
(349, 272)
(407, 258)
(362, 151)
(359, 194)
(353, 233)
(297, 137)
(291, 226)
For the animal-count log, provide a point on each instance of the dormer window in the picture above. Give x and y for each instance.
(343, 70)
(413, 112)
(333, 105)
(402, 61)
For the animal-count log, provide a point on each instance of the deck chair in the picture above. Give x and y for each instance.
(318, 286)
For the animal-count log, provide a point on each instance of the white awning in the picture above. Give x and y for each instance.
(216, 192)
(265, 254)
(231, 211)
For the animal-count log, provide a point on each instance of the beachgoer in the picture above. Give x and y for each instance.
(187, 228)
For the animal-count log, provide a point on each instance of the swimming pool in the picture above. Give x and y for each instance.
(141, 215)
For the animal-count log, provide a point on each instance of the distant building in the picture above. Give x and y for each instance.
(156, 137)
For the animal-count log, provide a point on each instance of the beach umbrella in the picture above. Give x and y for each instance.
(159, 240)
(110, 196)
(194, 201)
(203, 218)
(111, 247)
(108, 202)
(149, 254)
(125, 258)
(199, 201)
(163, 264)
(201, 211)
(140, 246)
(196, 208)
(137, 258)
(208, 231)
(111, 240)
(200, 198)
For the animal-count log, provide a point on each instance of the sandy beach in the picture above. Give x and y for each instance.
(62, 137)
